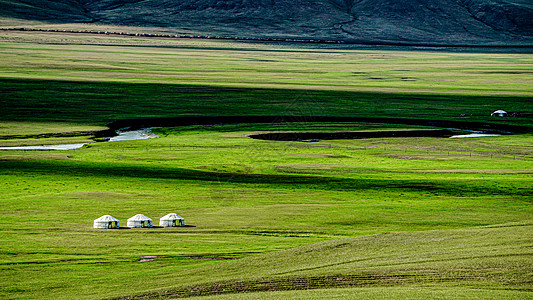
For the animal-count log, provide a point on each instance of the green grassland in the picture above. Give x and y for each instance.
(245, 197)
(376, 218)
(82, 80)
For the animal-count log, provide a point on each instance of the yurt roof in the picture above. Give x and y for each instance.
(107, 218)
(499, 111)
(139, 217)
(172, 216)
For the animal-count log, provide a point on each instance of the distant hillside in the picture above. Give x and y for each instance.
(414, 21)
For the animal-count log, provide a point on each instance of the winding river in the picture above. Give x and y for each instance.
(138, 129)
(473, 135)
(145, 133)
(122, 135)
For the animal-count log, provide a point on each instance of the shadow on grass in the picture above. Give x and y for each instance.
(97, 103)
(304, 182)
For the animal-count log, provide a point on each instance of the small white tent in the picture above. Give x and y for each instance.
(139, 221)
(499, 113)
(106, 222)
(171, 220)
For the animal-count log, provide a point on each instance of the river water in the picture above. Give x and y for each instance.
(142, 134)
(123, 135)
(473, 135)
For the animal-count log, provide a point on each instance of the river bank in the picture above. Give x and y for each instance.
(137, 129)
(124, 135)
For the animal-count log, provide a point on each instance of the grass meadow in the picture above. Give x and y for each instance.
(379, 218)
(51, 80)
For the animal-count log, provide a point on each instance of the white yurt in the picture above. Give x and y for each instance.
(171, 220)
(499, 113)
(139, 221)
(106, 222)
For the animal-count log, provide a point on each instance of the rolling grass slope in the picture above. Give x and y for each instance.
(47, 78)
(244, 197)
(477, 259)
(378, 218)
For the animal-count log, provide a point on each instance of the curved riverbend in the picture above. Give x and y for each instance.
(122, 135)
(47, 147)
(214, 120)
(318, 136)
(137, 129)
(473, 135)
(133, 135)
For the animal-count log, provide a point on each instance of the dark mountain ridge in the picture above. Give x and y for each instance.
(475, 22)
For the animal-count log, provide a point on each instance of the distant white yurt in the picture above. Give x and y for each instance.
(106, 222)
(499, 113)
(139, 221)
(171, 220)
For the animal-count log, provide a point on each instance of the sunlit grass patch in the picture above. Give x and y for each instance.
(388, 217)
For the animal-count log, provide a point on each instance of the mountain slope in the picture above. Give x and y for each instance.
(52, 11)
(422, 21)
